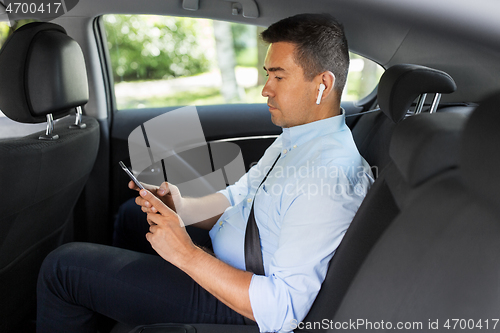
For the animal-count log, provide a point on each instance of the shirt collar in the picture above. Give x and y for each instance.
(293, 137)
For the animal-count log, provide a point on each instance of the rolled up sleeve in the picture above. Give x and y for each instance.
(236, 192)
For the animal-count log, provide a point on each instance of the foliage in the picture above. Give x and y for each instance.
(6, 31)
(245, 44)
(198, 96)
(154, 47)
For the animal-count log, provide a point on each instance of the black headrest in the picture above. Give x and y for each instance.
(401, 84)
(42, 71)
(480, 152)
(426, 144)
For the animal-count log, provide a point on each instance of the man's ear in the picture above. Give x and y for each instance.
(328, 79)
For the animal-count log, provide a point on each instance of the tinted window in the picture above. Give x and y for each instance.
(169, 61)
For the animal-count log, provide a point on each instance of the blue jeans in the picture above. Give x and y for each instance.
(78, 280)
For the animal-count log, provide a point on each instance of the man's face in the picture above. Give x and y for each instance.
(290, 97)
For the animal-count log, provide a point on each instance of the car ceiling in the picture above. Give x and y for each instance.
(460, 37)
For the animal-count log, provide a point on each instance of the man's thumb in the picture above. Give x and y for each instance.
(163, 189)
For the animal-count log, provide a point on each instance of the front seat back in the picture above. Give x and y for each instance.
(438, 261)
(42, 77)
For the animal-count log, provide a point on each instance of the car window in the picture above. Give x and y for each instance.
(362, 79)
(160, 61)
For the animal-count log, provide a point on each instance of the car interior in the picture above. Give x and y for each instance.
(420, 250)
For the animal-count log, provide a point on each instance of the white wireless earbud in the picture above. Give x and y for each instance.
(320, 94)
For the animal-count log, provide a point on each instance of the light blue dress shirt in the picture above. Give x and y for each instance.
(302, 211)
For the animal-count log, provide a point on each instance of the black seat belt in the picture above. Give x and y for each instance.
(253, 253)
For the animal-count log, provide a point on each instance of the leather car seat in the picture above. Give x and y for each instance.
(42, 77)
(399, 86)
(438, 259)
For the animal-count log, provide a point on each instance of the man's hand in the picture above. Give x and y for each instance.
(201, 212)
(167, 233)
(169, 238)
(169, 194)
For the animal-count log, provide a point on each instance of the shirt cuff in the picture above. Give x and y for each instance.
(265, 294)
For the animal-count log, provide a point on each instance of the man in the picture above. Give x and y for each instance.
(302, 210)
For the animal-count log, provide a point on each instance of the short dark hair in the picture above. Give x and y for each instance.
(320, 44)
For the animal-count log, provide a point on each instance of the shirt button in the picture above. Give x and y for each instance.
(249, 200)
(285, 151)
(220, 223)
(294, 146)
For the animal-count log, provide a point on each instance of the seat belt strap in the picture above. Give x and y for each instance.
(253, 253)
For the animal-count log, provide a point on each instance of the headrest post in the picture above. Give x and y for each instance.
(78, 120)
(420, 103)
(50, 129)
(435, 103)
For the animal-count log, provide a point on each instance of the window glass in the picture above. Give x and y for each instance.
(170, 61)
(4, 31)
(362, 78)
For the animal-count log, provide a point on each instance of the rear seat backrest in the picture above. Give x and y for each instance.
(438, 260)
(402, 84)
(399, 86)
(426, 145)
(480, 155)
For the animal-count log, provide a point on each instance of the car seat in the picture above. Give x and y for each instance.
(42, 78)
(399, 86)
(438, 260)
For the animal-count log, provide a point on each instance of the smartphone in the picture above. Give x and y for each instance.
(131, 175)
